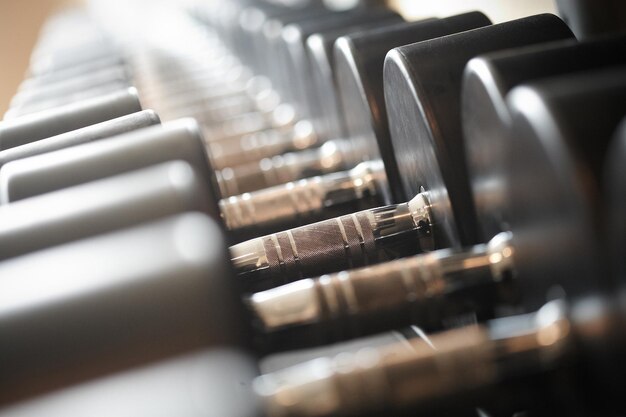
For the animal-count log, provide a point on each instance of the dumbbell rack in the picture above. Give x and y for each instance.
(138, 203)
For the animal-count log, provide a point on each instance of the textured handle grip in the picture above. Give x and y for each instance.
(431, 291)
(329, 246)
(295, 202)
(270, 172)
(352, 304)
(256, 146)
(342, 243)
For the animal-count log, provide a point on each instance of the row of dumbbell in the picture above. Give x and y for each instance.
(505, 247)
(34, 176)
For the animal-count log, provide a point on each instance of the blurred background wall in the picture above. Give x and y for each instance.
(20, 21)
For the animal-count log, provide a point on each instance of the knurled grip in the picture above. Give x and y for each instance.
(429, 290)
(332, 245)
(293, 202)
(258, 145)
(271, 171)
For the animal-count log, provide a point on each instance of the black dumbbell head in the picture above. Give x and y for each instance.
(359, 62)
(209, 383)
(485, 115)
(616, 184)
(423, 94)
(560, 132)
(98, 305)
(327, 115)
(46, 123)
(51, 171)
(296, 62)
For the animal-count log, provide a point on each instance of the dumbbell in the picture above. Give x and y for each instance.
(70, 75)
(101, 304)
(332, 19)
(43, 124)
(94, 84)
(268, 143)
(507, 365)
(539, 363)
(102, 318)
(533, 361)
(563, 359)
(364, 175)
(244, 255)
(368, 49)
(470, 366)
(540, 230)
(102, 130)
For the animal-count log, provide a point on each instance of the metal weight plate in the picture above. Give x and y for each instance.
(423, 97)
(98, 305)
(39, 174)
(327, 115)
(296, 62)
(51, 122)
(560, 132)
(607, 360)
(262, 36)
(486, 82)
(208, 383)
(616, 229)
(35, 82)
(101, 206)
(103, 130)
(276, 58)
(86, 94)
(67, 57)
(359, 62)
(115, 74)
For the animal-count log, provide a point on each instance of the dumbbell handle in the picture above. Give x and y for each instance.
(428, 377)
(423, 290)
(359, 239)
(333, 156)
(283, 117)
(305, 201)
(258, 145)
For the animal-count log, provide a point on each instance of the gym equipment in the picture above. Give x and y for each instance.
(426, 221)
(46, 123)
(531, 251)
(98, 305)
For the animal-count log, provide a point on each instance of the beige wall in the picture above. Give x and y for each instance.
(497, 10)
(19, 24)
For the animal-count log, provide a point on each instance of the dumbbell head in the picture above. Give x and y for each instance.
(293, 56)
(327, 114)
(211, 383)
(562, 128)
(606, 362)
(98, 305)
(102, 130)
(359, 64)
(78, 88)
(555, 219)
(62, 119)
(616, 232)
(101, 206)
(422, 93)
(485, 115)
(79, 164)
(259, 32)
(78, 70)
